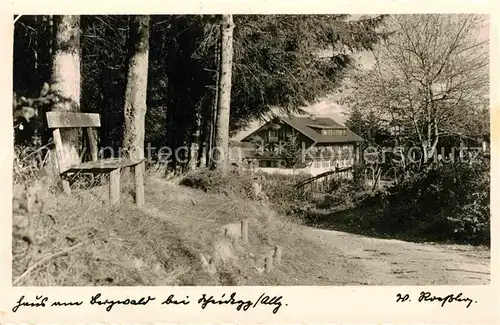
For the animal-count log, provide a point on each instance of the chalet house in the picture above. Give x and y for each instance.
(309, 144)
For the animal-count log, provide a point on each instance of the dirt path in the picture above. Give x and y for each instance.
(394, 262)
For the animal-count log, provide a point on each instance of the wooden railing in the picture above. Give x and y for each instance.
(323, 175)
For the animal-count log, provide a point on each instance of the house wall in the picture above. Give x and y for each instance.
(328, 156)
(335, 155)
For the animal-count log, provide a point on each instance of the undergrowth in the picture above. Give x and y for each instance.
(79, 240)
(221, 183)
(446, 202)
(278, 190)
(443, 203)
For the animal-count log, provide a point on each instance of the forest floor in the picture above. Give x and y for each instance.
(179, 238)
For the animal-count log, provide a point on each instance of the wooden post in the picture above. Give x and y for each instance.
(61, 159)
(65, 186)
(114, 186)
(277, 254)
(268, 264)
(139, 184)
(244, 230)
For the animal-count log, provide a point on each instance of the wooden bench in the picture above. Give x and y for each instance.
(71, 165)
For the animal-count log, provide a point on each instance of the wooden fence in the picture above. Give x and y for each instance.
(318, 185)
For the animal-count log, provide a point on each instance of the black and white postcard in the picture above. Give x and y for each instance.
(321, 162)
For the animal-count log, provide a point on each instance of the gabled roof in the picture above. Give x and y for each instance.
(306, 125)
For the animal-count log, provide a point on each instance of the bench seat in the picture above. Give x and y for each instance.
(104, 165)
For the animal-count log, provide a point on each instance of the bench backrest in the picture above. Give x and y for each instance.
(72, 120)
(60, 120)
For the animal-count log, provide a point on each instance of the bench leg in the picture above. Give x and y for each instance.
(139, 184)
(114, 186)
(65, 186)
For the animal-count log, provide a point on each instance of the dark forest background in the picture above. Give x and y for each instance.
(279, 61)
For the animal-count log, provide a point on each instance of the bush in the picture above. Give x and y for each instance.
(358, 182)
(445, 202)
(210, 181)
(345, 193)
(278, 189)
(285, 198)
(28, 162)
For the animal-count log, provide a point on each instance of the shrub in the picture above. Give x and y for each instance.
(445, 202)
(217, 182)
(280, 190)
(345, 192)
(285, 198)
(358, 182)
(28, 162)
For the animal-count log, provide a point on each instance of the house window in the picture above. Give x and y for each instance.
(317, 164)
(332, 132)
(344, 151)
(273, 136)
(263, 163)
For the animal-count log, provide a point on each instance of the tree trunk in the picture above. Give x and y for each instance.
(66, 80)
(136, 90)
(45, 54)
(206, 134)
(195, 139)
(212, 114)
(36, 65)
(221, 148)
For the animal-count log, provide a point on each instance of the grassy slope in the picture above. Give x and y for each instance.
(164, 243)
